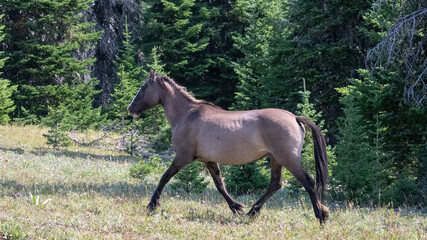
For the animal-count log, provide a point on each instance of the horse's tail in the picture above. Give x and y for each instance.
(321, 159)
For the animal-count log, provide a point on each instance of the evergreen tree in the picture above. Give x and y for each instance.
(130, 79)
(58, 121)
(194, 39)
(399, 29)
(6, 103)
(158, 126)
(75, 112)
(306, 108)
(387, 141)
(259, 17)
(356, 168)
(189, 179)
(320, 41)
(248, 178)
(42, 39)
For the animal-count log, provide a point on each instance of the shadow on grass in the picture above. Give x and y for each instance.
(14, 150)
(73, 154)
(16, 189)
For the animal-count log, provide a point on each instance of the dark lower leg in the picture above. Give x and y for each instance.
(320, 211)
(214, 170)
(172, 170)
(275, 184)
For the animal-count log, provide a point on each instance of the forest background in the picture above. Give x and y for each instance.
(356, 68)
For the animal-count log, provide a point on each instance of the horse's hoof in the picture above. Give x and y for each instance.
(324, 214)
(325, 211)
(253, 213)
(237, 208)
(152, 206)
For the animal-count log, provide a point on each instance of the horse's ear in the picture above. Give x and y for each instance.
(152, 73)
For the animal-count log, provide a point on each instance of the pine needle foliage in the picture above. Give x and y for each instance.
(190, 179)
(130, 75)
(6, 90)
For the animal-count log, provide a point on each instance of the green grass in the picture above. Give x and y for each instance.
(93, 197)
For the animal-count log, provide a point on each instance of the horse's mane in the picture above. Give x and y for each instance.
(185, 93)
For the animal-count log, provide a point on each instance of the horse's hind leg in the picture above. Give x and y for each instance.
(275, 184)
(321, 212)
(213, 168)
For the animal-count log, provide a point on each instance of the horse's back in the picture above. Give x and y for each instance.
(238, 137)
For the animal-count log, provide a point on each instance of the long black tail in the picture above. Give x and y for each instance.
(321, 159)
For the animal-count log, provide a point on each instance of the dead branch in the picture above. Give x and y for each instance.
(87, 144)
(406, 42)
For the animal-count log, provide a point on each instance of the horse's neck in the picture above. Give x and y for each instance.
(176, 106)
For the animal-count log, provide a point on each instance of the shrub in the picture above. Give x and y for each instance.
(142, 169)
(189, 179)
(248, 178)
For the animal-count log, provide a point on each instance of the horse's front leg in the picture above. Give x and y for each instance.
(178, 163)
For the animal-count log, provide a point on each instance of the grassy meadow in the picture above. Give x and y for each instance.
(83, 193)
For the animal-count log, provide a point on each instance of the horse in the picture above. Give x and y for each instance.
(202, 131)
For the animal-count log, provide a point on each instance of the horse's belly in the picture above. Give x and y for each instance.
(233, 148)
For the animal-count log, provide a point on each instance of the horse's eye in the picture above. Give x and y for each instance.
(144, 86)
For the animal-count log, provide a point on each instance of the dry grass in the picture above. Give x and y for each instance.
(93, 197)
(30, 138)
(22, 137)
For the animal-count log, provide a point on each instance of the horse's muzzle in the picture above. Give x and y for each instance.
(132, 111)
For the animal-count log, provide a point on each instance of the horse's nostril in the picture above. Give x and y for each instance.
(131, 110)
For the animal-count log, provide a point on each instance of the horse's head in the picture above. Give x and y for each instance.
(147, 97)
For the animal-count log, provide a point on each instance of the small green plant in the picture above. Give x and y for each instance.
(144, 168)
(11, 230)
(26, 164)
(37, 201)
(57, 137)
(247, 178)
(190, 180)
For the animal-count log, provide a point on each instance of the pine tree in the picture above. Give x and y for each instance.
(43, 38)
(130, 79)
(6, 103)
(175, 28)
(248, 178)
(259, 17)
(379, 153)
(160, 130)
(58, 121)
(156, 63)
(320, 41)
(355, 169)
(306, 108)
(195, 42)
(399, 30)
(189, 179)
(75, 112)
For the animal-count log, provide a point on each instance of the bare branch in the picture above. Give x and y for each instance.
(405, 42)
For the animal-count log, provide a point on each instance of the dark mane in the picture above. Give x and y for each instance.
(185, 93)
